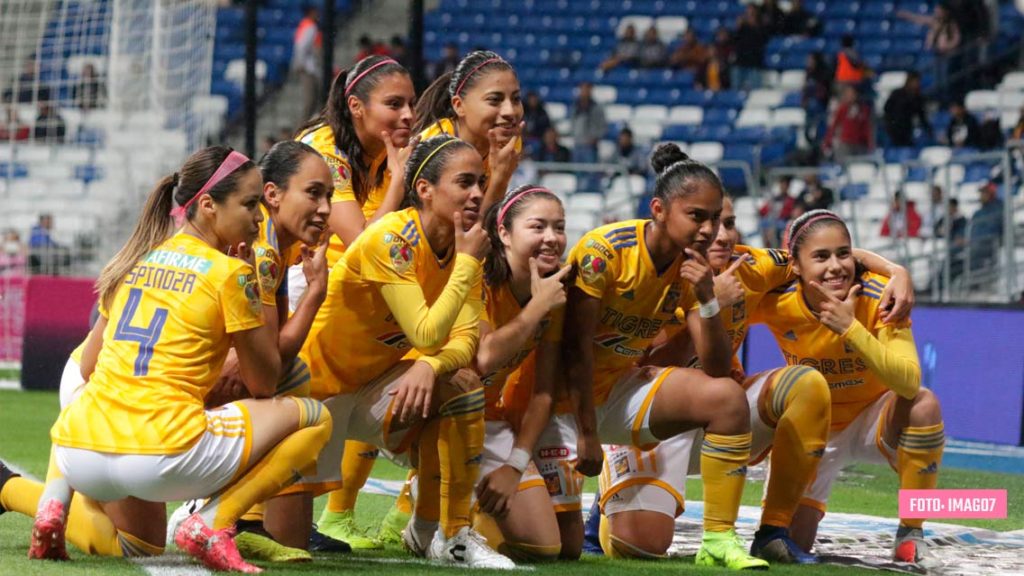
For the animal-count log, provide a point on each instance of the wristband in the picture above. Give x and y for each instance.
(709, 309)
(519, 459)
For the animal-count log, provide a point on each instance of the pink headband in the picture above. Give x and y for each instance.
(356, 80)
(514, 199)
(826, 216)
(473, 71)
(229, 165)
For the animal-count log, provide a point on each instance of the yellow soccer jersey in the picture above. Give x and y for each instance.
(165, 342)
(271, 264)
(613, 265)
(322, 140)
(447, 126)
(842, 359)
(355, 336)
(500, 308)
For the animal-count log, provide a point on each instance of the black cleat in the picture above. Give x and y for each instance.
(5, 475)
(320, 542)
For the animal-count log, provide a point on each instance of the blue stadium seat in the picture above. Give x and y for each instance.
(840, 27)
(898, 155)
(13, 170)
(682, 132)
(746, 135)
(739, 152)
(713, 116)
(853, 191)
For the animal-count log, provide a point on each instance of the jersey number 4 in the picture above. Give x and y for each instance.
(146, 337)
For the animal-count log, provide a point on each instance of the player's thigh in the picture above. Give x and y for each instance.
(140, 518)
(271, 420)
(530, 519)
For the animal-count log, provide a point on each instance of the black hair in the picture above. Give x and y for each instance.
(496, 268)
(427, 162)
(677, 173)
(336, 114)
(811, 221)
(282, 161)
(436, 101)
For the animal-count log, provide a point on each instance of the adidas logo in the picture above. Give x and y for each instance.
(932, 468)
(458, 552)
(628, 295)
(790, 336)
(741, 471)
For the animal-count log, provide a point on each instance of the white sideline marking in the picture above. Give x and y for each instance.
(174, 564)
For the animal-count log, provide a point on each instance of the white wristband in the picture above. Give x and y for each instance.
(519, 459)
(709, 309)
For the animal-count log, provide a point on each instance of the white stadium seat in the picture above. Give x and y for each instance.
(685, 115)
(707, 152)
(981, 100)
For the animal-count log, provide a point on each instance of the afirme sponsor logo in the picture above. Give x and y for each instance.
(952, 503)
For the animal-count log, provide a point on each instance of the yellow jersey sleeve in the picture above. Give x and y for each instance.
(388, 258)
(459, 350)
(892, 356)
(240, 300)
(594, 265)
(271, 264)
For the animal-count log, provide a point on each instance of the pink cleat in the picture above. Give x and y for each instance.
(214, 548)
(48, 533)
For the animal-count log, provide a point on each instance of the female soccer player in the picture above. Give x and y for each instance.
(138, 432)
(831, 319)
(364, 134)
(632, 277)
(412, 281)
(523, 317)
(480, 103)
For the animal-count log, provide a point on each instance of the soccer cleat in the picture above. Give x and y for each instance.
(392, 525)
(467, 549)
(180, 514)
(253, 546)
(726, 549)
(342, 526)
(418, 540)
(5, 475)
(320, 542)
(214, 548)
(772, 543)
(48, 533)
(910, 546)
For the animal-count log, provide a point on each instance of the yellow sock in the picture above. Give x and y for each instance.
(919, 456)
(723, 464)
(280, 467)
(404, 501)
(21, 495)
(460, 446)
(615, 547)
(428, 498)
(356, 465)
(800, 403)
(255, 514)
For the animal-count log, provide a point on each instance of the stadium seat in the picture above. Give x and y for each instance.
(980, 101)
(586, 201)
(754, 117)
(686, 115)
(765, 98)
(789, 117)
(936, 155)
(604, 94)
(861, 172)
(556, 110)
(707, 152)
(792, 79)
(641, 23)
(618, 113)
(891, 80)
(559, 182)
(650, 113)
(646, 131)
(670, 27)
(1011, 101)
(1012, 81)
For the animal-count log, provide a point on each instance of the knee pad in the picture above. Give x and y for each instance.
(134, 547)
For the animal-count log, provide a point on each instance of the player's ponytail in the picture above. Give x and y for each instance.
(157, 223)
(496, 268)
(359, 82)
(434, 104)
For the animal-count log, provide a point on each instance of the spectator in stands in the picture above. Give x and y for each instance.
(962, 131)
(990, 134)
(536, 119)
(798, 21)
(399, 51)
(815, 196)
(850, 69)
(772, 17)
(40, 236)
(900, 224)
(449, 61)
(653, 53)
(28, 88)
(901, 109)
(724, 45)
(629, 154)
(588, 125)
(50, 126)
(750, 39)
(986, 229)
(551, 150)
(307, 58)
(851, 132)
(714, 75)
(13, 253)
(776, 214)
(90, 92)
(957, 239)
(815, 96)
(627, 51)
(45, 255)
(943, 39)
(690, 54)
(12, 128)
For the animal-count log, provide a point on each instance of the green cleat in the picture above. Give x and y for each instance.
(342, 526)
(726, 549)
(392, 525)
(253, 546)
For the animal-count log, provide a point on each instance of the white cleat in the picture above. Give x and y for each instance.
(186, 509)
(418, 540)
(467, 549)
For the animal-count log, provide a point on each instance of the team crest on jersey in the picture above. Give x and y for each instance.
(401, 256)
(739, 311)
(671, 301)
(268, 272)
(252, 293)
(592, 267)
(598, 246)
(343, 173)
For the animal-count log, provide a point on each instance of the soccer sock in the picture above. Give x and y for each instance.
(21, 495)
(460, 446)
(356, 465)
(723, 465)
(404, 501)
(919, 456)
(428, 498)
(57, 487)
(800, 403)
(280, 467)
(255, 514)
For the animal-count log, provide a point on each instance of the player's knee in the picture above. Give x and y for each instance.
(729, 404)
(460, 392)
(312, 413)
(926, 409)
(631, 541)
(532, 553)
(807, 388)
